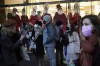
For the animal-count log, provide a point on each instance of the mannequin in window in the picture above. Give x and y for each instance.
(45, 12)
(24, 17)
(60, 16)
(33, 16)
(16, 17)
(76, 17)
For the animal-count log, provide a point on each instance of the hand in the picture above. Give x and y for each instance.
(32, 38)
(22, 37)
(30, 49)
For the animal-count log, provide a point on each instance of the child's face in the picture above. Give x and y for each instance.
(36, 28)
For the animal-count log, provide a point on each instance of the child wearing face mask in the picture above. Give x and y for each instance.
(38, 40)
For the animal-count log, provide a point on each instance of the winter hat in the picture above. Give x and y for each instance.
(15, 10)
(47, 18)
(58, 6)
(38, 22)
(58, 23)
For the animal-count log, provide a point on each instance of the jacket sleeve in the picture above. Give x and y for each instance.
(10, 46)
(77, 43)
(17, 45)
(5, 45)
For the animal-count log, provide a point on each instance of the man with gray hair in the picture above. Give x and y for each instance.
(49, 33)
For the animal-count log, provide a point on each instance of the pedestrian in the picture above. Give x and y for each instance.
(39, 52)
(59, 43)
(90, 55)
(49, 39)
(10, 43)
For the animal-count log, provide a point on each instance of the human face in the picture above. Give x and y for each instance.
(87, 27)
(36, 28)
(87, 22)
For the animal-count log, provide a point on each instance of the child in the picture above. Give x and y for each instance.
(38, 40)
(73, 48)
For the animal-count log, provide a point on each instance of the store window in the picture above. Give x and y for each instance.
(33, 1)
(85, 7)
(13, 1)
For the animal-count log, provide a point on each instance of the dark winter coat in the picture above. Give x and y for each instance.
(39, 46)
(10, 49)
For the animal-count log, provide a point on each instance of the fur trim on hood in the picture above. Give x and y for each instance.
(9, 23)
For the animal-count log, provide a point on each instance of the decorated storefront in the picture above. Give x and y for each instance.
(85, 6)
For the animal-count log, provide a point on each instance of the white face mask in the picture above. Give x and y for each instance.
(60, 12)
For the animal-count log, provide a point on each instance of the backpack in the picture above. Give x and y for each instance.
(65, 39)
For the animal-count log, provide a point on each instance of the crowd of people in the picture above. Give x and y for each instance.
(71, 39)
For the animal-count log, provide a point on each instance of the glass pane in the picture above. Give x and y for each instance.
(40, 8)
(86, 8)
(9, 10)
(14, 1)
(33, 1)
